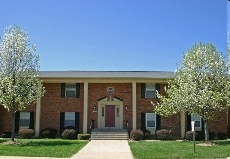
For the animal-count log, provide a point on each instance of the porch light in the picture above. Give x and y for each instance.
(94, 107)
(126, 107)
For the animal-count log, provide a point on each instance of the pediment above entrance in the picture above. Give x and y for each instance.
(110, 99)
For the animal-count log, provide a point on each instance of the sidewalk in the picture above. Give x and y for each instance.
(105, 149)
(95, 149)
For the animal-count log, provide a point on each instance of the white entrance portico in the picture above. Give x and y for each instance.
(110, 113)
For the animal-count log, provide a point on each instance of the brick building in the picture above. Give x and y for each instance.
(104, 100)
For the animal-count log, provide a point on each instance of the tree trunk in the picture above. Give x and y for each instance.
(206, 130)
(13, 125)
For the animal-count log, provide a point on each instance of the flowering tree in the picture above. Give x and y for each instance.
(201, 86)
(20, 85)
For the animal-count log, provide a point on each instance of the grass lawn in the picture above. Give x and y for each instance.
(179, 149)
(41, 147)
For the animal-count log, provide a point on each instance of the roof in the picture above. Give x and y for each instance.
(107, 74)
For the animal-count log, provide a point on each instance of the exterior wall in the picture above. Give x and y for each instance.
(99, 90)
(217, 125)
(52, 105)
(5, 118)
(144, 105)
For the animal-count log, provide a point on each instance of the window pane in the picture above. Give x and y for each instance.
(197, 123)
(70, 90)
(69, 123)
(150, 91)
(150, 94)
(69, 115)
(150, 120)
(197, 119)
(70, 93)
(150, 123)
(24, 121)
(69, 119)
(24, 115)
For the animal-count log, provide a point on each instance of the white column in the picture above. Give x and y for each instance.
(38, 117)
(182, 123)
(85, 113)
(134, 96)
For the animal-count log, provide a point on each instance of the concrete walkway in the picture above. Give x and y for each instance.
(95, 149)
(105, 149)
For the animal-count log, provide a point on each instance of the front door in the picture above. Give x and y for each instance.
(109, 116)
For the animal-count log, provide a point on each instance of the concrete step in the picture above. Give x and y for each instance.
(109, 134)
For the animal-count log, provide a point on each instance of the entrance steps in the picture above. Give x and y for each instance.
(109, 134)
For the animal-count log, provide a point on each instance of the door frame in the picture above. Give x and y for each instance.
(118, 118)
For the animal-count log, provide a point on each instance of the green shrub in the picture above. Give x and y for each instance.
(69, 134)
(6, 135)
(83, 136)
(212, 135)
(48, 133)
(189, 135)
(163, 134)
(26, 133)
(136, 135)
(221, 136)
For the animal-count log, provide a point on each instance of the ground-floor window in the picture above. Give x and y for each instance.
(24, 120)
(69, 119)
(150, 119)
(198, 121)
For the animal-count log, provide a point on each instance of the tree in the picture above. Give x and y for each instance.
(200, 86)
(20, 85)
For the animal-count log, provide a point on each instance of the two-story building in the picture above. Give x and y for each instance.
(104, 99)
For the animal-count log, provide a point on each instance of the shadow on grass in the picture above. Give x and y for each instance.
(3, 140)
(221, 142)
(49, 143)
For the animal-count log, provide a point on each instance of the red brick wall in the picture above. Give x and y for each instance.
(52, 104)
(99, 90)
(5, 118)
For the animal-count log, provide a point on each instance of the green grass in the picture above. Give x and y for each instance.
(41, 147)
(178, 149)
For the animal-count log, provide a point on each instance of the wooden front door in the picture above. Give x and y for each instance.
(109, 116)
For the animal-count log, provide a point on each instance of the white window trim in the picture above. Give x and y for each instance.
(26, 117)
(194, 118)
(69, 116)
(146, 117)
(147, 89)
(73, 88)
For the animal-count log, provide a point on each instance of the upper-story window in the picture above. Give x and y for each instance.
(70, 90)
(148, 90)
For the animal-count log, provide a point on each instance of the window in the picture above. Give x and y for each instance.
(197, 119)
(150, 120)
(70, 90)
(150, 91)
(24, 121)
(69, 119)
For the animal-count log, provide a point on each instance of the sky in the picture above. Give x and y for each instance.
(118, 35)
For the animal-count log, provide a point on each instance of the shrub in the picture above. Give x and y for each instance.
(48, 133)
(69, 134)
(189, 135)
(212, 135)
(6, 135)
(26, 133)
(164, 134)
(83, 136)
(136, 135)
(221, 136)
